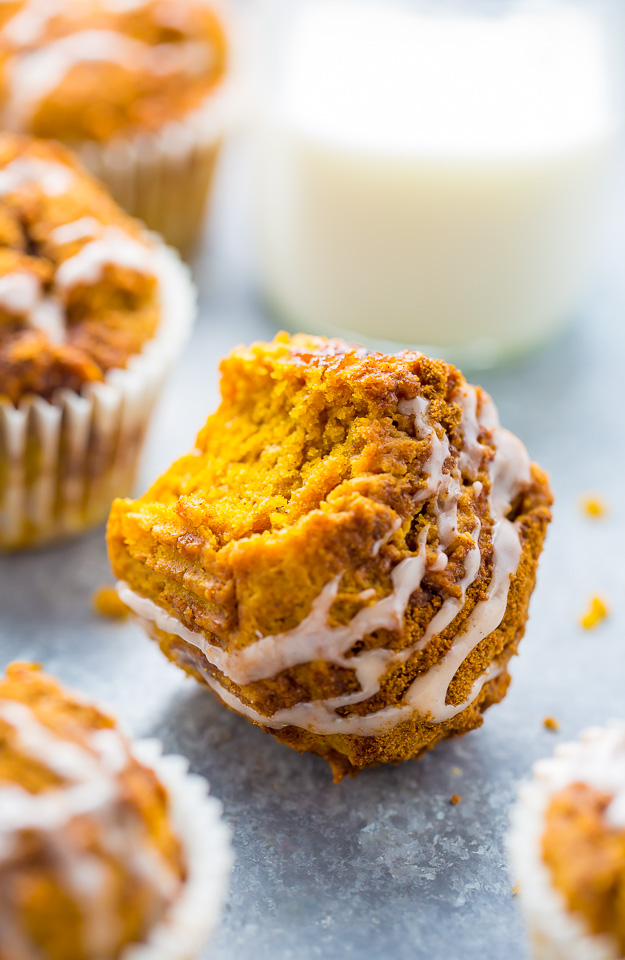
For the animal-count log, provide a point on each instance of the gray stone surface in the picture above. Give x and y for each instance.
(383, 866)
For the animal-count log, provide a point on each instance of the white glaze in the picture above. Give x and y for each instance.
(377, 546)
(124, 6)
(49, 317)
(34, 74)
(113, 246)
(19, 292)
(28, 24)
(314, 638)
(80, 229)
(21, 295)
(91, 788)
(52, 178)
(470, 458)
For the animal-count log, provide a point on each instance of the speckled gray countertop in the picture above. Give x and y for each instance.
(382, 866)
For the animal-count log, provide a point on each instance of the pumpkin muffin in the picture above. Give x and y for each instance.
(107, 849)
(567, 849)
(347, 555)
(93, 311)
(140, 89)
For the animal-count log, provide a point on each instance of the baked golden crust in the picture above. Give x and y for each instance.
(313, 471)
(105, 314)
(126, 72)
(586, 858)
(57, 919)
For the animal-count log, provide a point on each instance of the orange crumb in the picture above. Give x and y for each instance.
(597, 611)
(515, 890)
(106, 602)
(593, 506)
(455, 799)
(456, 771)
(551, 723)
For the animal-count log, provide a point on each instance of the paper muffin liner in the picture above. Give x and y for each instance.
(62, 463)
(165, 178)
(556, 933)
(205, 839)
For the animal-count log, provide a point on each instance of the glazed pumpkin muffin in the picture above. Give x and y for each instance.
(347, 556)
(140, 89)
(92, 313)
(567, 849)
(100, 853)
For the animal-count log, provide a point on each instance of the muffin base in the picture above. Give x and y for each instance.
(62, 463)
(347, 754)
(166, 178)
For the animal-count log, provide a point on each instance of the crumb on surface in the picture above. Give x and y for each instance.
(593, 506)
(597, 612)
(456, 771)
(550, 723)
(455, 799)
(515, 890)
(106, 603)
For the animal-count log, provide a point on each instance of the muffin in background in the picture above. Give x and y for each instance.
(109, 849)
(567, 849)
(347, 555)
(142, 91)
(93, 312)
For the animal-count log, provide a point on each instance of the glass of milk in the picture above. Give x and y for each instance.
(430, 174)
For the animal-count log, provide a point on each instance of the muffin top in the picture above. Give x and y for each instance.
(98, 69)
(78, 290)
(89, 861)
(583, 844)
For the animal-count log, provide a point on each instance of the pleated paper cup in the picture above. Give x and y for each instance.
(165, 178)
(62, 463)
(205, 839)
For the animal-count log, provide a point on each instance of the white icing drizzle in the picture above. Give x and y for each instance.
(80, 229)
(92, 786)
(314, 638)
(19, 292)
(27, 25)
(52, 178)
(377, 546)
(470, 457)
(439, 447)
(113, 246)
(597, 759)
(91, 789)
(34, 74)
(49, 317)
(123, 6)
